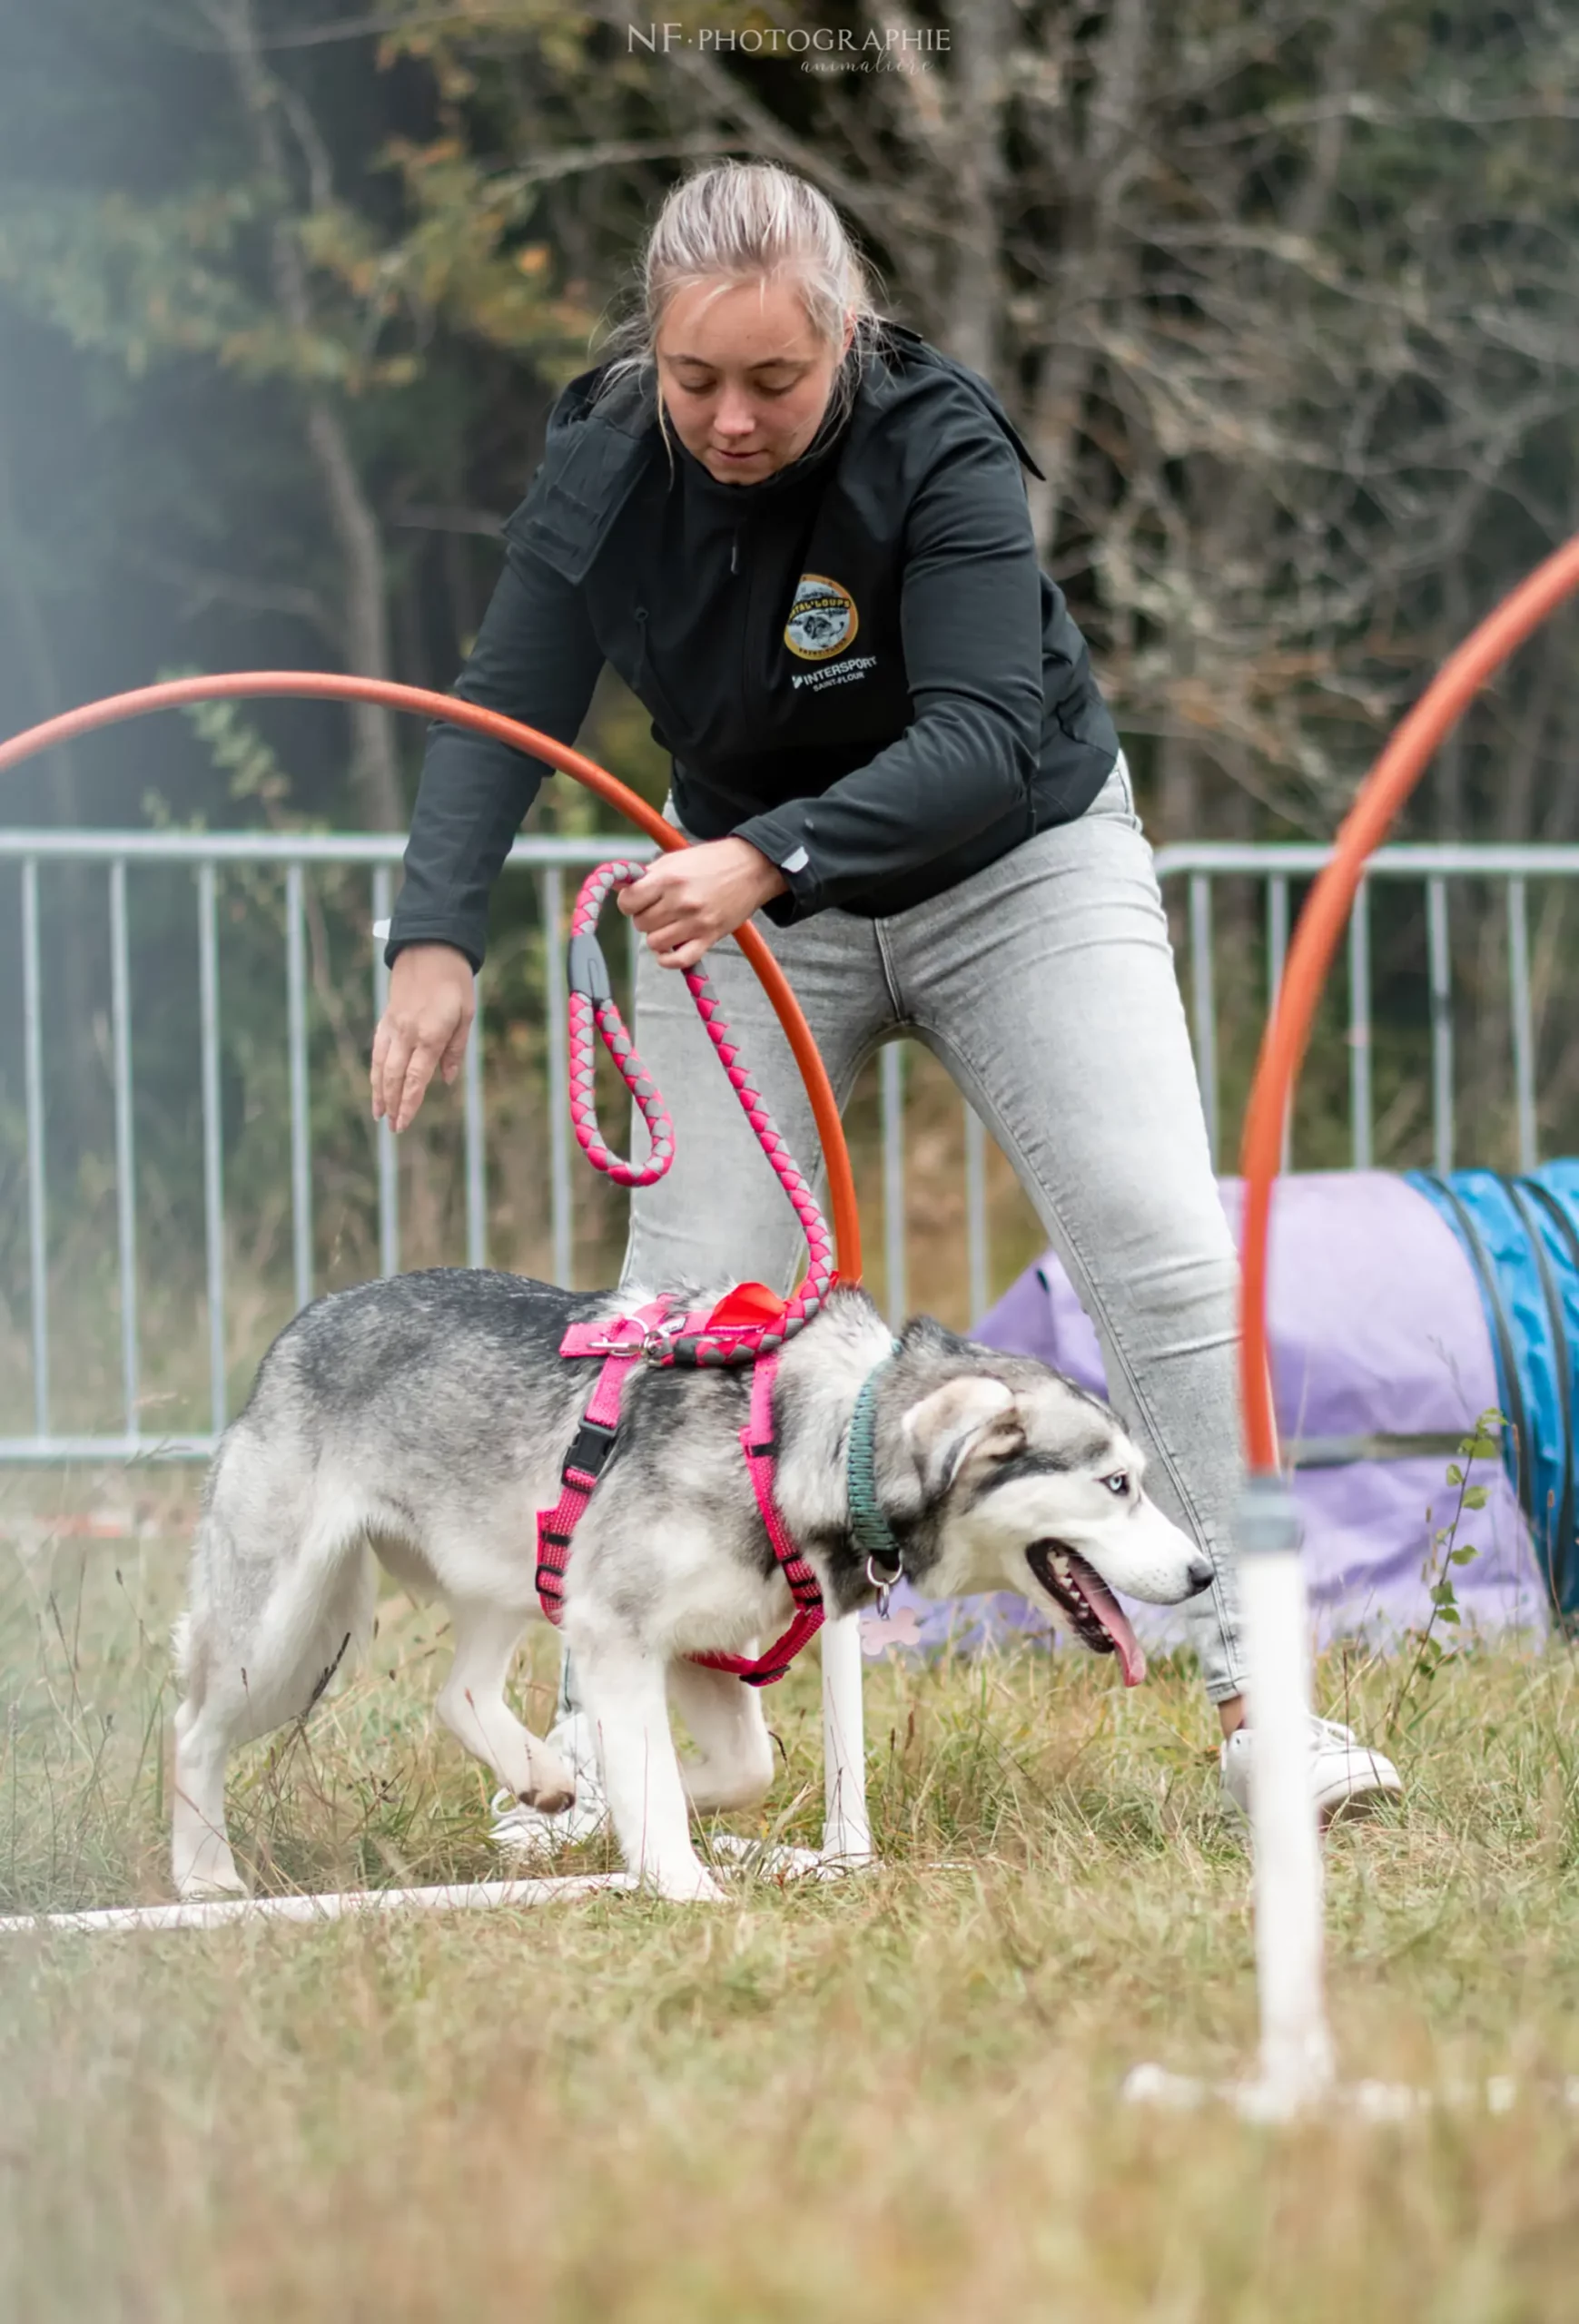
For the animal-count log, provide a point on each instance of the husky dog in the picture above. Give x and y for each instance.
(426, 1417)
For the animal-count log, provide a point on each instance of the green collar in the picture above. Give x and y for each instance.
(873, 1534)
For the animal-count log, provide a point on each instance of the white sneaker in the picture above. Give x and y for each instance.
(1345, 1773)
(527, 1832)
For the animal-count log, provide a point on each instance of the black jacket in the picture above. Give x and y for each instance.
(856, 663)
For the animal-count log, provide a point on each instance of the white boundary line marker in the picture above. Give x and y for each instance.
(357, 1904)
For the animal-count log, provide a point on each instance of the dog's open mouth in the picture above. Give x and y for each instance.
(1095, 1615)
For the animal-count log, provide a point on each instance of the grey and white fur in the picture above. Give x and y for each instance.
(424, 1419)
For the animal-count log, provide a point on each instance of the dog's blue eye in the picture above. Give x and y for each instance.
(1118, 1485)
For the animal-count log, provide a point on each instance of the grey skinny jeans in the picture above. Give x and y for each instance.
(1046, 986)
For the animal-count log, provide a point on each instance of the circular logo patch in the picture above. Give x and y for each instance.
(823, 620)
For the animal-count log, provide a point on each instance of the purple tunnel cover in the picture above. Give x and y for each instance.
(1377, 1330)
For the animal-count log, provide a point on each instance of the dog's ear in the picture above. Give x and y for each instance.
(956, 1419)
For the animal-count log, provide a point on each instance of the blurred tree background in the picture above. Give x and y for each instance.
(1282, 293)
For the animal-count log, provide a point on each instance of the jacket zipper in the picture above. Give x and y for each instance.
(660, 708)
(644, 668)
(745, 627)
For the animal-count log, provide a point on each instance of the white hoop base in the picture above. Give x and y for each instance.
(1370, 2101)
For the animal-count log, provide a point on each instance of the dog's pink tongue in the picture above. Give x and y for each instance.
(1116, 1622)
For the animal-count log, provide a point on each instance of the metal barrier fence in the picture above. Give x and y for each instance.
(1196, 868)
(1431, 868)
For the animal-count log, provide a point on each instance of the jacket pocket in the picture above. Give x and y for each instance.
(1086, 719)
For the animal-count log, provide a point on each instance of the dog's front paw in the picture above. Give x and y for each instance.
(550, 1784)
(683, 1884)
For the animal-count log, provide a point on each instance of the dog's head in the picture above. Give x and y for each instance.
(1035, 1487)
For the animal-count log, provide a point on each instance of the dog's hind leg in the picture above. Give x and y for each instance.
(624, 1695)
(268, 1630)
(473, 1707)
(734, 1766)
(200, 1859)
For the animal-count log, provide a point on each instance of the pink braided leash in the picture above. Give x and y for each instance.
(714, 1339)
(592, 1006)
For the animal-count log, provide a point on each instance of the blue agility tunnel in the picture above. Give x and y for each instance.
(1401, 1309)
(1520, 1236)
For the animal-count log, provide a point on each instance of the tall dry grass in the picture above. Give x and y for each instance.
(892, 2098)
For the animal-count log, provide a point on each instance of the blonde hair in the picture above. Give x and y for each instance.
(748, 222)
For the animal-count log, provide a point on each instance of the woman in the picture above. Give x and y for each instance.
(801, 535)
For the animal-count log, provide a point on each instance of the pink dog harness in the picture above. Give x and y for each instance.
(748, 1325)
(621, 1343)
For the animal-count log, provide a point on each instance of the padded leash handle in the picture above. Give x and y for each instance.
(713, 1342)
(592, 1006)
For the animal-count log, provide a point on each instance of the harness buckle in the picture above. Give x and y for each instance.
(590, 1448)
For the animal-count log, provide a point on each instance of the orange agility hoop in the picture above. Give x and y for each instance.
(1297, 2067)
(323, 686)
(1381, 796)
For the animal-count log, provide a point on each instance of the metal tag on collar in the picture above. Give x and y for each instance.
(883, 1585)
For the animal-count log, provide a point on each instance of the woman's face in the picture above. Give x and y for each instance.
(744, 377)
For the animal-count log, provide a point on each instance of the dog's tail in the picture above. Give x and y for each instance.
(282, 1589)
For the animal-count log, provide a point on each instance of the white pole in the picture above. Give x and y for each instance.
(470, 1897)
(1296, 2047)
(846, 1833)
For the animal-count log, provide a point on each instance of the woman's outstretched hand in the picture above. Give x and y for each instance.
(682, 903)
(685, 901)
(432, 1000)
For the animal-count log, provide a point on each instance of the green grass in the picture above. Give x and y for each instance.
(895, 2097)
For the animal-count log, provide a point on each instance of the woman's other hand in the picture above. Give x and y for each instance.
(685, 901)
(432, 1000)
